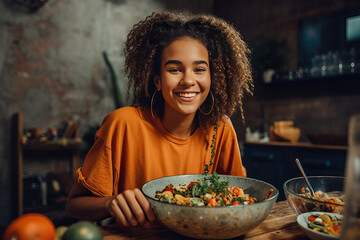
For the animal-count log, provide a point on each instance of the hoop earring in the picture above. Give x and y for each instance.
(212, 106)
(152, 102)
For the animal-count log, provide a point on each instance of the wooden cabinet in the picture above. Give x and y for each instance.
(67, 148)
(273, 162)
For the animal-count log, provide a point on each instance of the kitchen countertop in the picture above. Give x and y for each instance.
(280, 224)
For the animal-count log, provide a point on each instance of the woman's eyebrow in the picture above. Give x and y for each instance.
(172, 62)
(179, 62)
(200, 62)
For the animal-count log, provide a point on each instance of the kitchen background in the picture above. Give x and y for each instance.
(53, 71)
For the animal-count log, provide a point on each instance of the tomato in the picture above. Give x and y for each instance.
(335, 229)
(191, 184)
(238, 191)
(311, 218)
(169, 189)
(235, 203)
(30, 226)
(212, 202)
(83, 230)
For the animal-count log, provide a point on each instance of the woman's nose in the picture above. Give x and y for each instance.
(187, 79)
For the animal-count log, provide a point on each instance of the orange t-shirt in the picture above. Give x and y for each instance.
(132, 147)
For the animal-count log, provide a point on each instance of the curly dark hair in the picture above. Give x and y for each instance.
(228, 56)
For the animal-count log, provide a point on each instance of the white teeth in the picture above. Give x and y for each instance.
(187, 95)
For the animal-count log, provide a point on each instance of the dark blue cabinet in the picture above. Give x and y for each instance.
(273, 162)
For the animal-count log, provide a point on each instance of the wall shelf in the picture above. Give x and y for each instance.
(69, 148)
(312, 87)
(54, 145)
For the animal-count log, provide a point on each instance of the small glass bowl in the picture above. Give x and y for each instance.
(333, 186)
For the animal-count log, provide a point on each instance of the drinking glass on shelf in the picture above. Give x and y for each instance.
(315, 66)
(333, 59)
(299, 73)
(352, 60)
(351, 221)
(323, 65)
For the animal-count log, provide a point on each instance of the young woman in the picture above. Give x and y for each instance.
(187, 75)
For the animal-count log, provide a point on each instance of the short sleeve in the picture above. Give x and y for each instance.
(96, 174)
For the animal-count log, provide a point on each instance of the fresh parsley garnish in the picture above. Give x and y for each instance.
(216, 185)
(202, 187)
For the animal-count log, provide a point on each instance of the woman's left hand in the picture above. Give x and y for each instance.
(130, 208)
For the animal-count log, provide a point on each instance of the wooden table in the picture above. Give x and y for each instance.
(280, 224)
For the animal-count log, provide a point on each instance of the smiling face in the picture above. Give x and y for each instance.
(184, 76)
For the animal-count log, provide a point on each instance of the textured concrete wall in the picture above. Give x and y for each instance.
(52, 69)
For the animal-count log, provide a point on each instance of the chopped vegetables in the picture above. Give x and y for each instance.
(320, 196)
(331, 203)
(325, 223)
(208, 191)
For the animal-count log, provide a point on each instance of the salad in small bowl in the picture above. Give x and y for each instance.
(320, 225)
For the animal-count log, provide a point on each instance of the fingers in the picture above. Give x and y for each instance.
(116, 212)
(134, 212)
(131, 208)
(127, 204)
(145, 205)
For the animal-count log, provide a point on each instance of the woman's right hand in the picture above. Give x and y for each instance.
(130, 208)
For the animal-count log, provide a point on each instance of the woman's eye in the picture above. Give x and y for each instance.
(174, 70)
(200, 70)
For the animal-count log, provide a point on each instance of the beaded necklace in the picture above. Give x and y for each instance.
(212, 146)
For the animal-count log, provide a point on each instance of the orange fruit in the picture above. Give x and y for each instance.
(30, 226)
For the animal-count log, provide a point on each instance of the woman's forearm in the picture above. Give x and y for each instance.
(88, 207)
(82, 204)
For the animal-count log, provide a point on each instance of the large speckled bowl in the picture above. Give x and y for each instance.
(211, 222)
